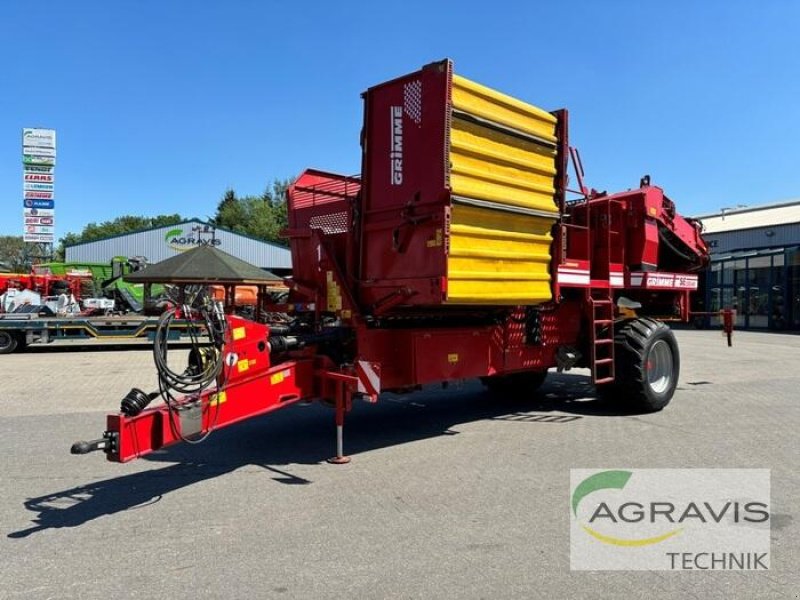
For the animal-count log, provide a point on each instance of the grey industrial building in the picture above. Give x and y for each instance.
(164, 242)
(755, 265)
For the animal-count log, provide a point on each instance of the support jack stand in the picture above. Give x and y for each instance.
(340, 458)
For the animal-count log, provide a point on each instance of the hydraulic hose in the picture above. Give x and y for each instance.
(206, 366)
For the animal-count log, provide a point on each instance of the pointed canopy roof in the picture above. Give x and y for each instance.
(203, 265)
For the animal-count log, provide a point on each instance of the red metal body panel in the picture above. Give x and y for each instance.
(558, 326)
(262, 392)
(405, 155)
(321, 208)
(412, 357)
(609, 237)
(406, 195)
(448, 354)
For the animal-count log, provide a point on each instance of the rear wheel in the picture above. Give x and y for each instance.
(515, 385)
(8, 342)
(647, 365)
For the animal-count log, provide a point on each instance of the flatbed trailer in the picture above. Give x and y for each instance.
(17, 331)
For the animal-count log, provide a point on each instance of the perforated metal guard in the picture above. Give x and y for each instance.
(330, 223)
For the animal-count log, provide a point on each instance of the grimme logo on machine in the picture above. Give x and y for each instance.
(178, 240)
(396, 144)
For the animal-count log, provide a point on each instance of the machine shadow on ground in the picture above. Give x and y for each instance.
(305, 435)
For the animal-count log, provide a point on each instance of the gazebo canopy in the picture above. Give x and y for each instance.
(204, 265)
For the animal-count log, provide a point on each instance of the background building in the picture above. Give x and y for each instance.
(755, 264)
(164, 242)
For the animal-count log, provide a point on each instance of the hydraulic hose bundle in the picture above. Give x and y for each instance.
(182, 389)
(205, 366)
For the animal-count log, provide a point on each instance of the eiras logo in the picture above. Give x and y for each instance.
(396, 144)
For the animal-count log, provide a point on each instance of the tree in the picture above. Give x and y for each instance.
(12, 253)
(118, 226)
(276, 197)
(262, 217)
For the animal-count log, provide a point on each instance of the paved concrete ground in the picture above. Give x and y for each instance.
(450, 493)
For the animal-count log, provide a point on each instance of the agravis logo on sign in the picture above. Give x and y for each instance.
(178, 240)
(40, 138)
(670, 519)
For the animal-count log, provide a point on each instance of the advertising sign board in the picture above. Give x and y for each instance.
(46, 238)
(38, 203)
(41, 138)
(37, 159)
(37, 187)
(38, 212)
(38, 183)
(38, 195)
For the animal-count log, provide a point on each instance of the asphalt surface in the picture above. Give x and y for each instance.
(451, 493)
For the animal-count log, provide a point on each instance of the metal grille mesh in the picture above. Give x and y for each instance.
(330, 223)
(412, 101)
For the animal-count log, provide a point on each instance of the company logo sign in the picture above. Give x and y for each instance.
(670, 519)
(34, 151)
(38, 229)
(38, 237)
(38, 177)
(37, 159)
(38, 203)
(38, 169)
(396, 145)
(38, 187)
(38, 212)
(39, 221)
(180, 240)
(38, 195)
(41, 138)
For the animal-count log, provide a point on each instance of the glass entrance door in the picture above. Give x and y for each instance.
(793, 289)
(758, 291)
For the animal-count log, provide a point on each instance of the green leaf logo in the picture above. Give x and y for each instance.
(173, 233)
(599, 481)
(615, 480)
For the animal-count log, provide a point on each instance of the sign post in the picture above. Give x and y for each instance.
(38, 192)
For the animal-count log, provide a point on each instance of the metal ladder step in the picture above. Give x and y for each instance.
(601, 336)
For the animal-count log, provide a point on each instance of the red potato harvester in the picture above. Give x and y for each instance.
(454, 255)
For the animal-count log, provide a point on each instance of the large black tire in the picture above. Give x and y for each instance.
(515, 385)
(647, 366)
(8, 342)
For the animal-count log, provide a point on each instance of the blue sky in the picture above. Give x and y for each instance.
(160, 106)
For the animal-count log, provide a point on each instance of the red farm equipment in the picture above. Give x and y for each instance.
(455, 254)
